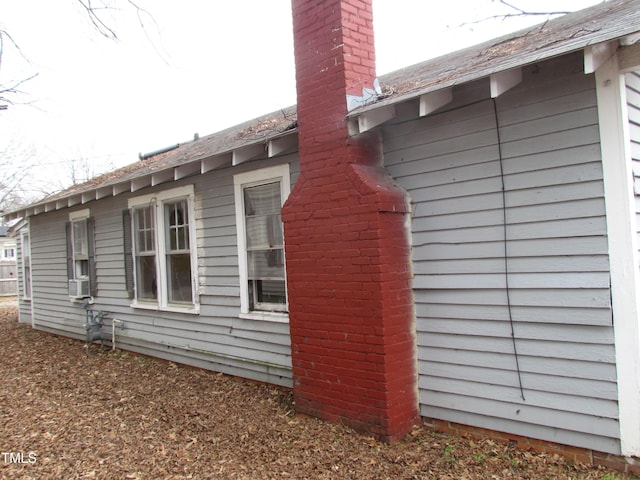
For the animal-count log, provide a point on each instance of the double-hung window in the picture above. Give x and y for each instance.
(26, 265)
(81, 264)
(160, 245)
(259, 196)
(9, 252)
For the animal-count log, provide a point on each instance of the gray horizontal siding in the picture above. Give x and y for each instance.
(633, 108)
(216, 338)
(556, 262)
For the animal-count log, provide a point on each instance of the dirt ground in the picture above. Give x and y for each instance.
(115, 415)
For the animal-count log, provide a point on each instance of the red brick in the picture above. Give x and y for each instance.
(347, 260)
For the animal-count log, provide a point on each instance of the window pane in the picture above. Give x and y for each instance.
(264, 231)
(262, 199)
(266, 264)
(146, 277)
(27, 281)
(80, 247)
(264, 244)
(177, 226)
(145, 230)
(82, 268)
(267, 291)
(179, 278)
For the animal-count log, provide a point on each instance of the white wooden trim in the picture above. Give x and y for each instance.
(186, 170)
(26, 233)
(161, 177)
(629, 58)
(140, 183)
(157, 200)
(103, 192)
(430, 102)
(373, 118)
(596, 55)
(629, 39)
(504, 81)
(168, 194)
(623, 247)
(240, 181)
(79, 214)
(281, 145)
(209, 164)
(121, 188)
(249, 152)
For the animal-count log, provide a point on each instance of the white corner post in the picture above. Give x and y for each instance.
(623, 246)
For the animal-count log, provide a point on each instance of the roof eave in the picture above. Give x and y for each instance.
(280, 143)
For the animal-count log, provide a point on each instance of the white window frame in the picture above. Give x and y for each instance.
(25, 258)
(75, 217)
(241, 181)
(157, 201)
(9, 247)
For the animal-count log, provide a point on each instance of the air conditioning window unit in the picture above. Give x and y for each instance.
(79, 288)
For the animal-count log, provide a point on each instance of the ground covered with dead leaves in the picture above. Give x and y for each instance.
(115, 415)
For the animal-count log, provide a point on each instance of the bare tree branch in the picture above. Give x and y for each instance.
(16, 164)
(521, 12)
(98, 23)
(13, 89)
(518, 12)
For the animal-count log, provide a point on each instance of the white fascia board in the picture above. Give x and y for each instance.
(373, 118)
(430, 102)
(244, 154)
(281, 145)
(596, 55)
(213, 163)
(623, 247)
(503, 81)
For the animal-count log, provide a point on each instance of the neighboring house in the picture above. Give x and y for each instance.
(8, 278)
(461, 244)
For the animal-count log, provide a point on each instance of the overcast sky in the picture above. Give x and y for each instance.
(195, 66)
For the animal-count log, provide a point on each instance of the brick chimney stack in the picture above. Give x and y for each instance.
(347, 250)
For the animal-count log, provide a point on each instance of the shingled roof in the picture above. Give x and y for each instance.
(601, 23)
(276, 133)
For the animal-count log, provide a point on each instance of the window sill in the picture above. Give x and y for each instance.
(192, 310)
(278, 317)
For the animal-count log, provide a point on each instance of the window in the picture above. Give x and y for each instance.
(259, 197)
(9, 252)
(81, 265)
(160, 236)
(26, 265)
(145, 253)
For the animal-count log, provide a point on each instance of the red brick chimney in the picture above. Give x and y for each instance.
(348, 258)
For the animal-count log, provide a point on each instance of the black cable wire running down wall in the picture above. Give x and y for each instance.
(506, 256)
